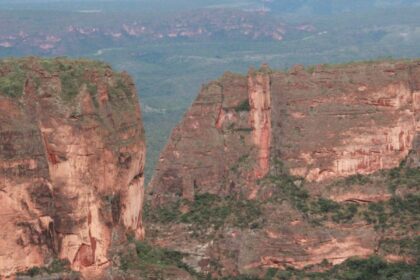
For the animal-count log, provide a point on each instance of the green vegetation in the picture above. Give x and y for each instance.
(403, 177)
(399, 216)
(12, 78)
(168, 214)
(357, 179)
(56, 266)
(244, 106)
(315, 209)
(399, 212)
(209, 211)
(70, 80)
(243, 162)
(153, 262)
(406, 246)
(147, 255)
(352, 269)
(73, 74)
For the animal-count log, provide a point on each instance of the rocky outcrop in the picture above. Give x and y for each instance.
(336, 122)
(283, 145)
(72, 154)
(229, 124)
(210, 133)
(326, 124)
(259, 94)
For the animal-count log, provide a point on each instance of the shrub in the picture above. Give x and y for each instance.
(167, 214)
(326, 205)
(405, 246)
(345, 213)
(208, 210)
(357, 179)
(211, 210)
(356, 269)
(153, 259)
(243, 106)
(56, 266)
(12, 82)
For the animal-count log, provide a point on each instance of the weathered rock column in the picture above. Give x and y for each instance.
(260, 119)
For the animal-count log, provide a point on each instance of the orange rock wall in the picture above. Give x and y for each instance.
(320, 124)
(202, 148)
(340, 122)
(325, 124)
(259, 93)
(71, 171)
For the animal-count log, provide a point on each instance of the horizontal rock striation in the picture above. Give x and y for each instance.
(270, 141)
(72, 154)
(336, 122)
(329, 123)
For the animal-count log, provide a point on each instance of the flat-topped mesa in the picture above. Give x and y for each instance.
(72, 154)
(322, 123)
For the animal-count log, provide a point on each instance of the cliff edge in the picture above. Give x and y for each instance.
(287, 169)
(72, 154)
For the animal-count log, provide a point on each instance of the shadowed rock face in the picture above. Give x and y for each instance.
(223, 142)
(72, 155)
(199, 153)
(320, 125)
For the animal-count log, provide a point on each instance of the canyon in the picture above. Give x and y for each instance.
(304, 168)
(72, 155)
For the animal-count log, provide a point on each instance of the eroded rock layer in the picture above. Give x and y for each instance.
(215, 130)
(291, 168)
(326, 123)
(72, 154)
(336, 122)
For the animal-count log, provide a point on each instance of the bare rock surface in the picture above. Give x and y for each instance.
(291, 168)
(72, 154)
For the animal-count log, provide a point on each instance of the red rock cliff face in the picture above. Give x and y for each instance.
(259, 92)
(228, 128)
(213, 130)
(338, 122)
(244, 136)
(72, 155)
(323, 125)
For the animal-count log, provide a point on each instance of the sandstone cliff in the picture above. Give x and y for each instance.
(326, 123)
(281, 169)
(72, 154)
